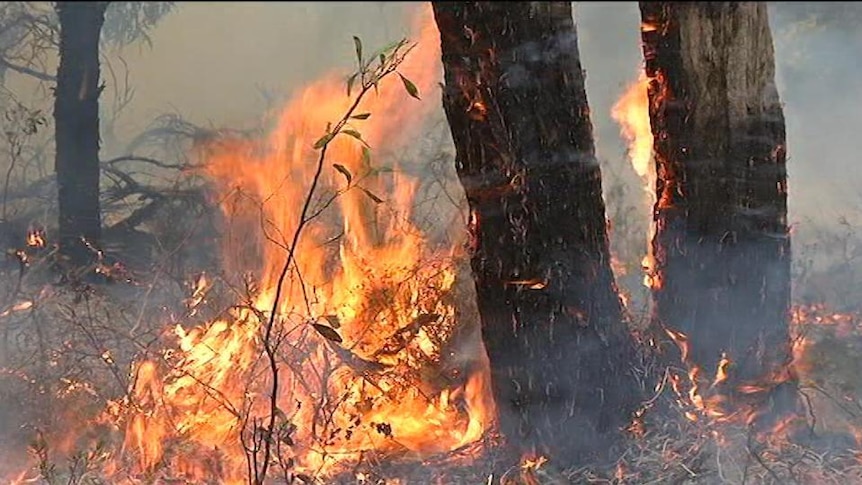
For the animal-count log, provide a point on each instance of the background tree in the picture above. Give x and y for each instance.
(551, 317)
(76, 118)
(29, 33)
(76, 111)
(722, 245)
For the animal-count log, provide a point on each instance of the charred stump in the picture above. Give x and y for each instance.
(552, 324)
(76, 115)
(722, 245)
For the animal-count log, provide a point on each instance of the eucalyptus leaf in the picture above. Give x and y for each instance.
(327, 332)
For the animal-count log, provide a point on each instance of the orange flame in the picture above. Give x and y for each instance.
(199, 292)
(631, 111)
(18, 307)
(369, 377)
(709, 404)
(36, 238)
(721, 371)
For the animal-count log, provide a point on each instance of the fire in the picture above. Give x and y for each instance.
(365, 321)
(703, 395)
(533, 463)
(36, 238)
(648, 27)
(721, 372)
(698, 400)
(631, 111)
(199, 292)
(18, 307)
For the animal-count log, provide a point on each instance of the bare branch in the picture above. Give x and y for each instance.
(149, 160)
(27, 71)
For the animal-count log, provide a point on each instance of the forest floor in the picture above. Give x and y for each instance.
(55, 336)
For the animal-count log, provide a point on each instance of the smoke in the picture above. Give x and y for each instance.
(227, 64)
(816, 51)
(817, 76)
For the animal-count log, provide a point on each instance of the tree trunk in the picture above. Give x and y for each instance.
(722, 245)
(76, 114)
(551, 317)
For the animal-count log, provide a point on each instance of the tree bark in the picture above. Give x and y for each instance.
(76, 114)
(722, 244)
(551, 316)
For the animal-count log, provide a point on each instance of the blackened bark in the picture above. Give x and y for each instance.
(552, 324)
(76, 115)
(722, 245)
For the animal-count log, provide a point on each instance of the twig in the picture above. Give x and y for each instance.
(270, 324)
(369, 80)
(28, 71)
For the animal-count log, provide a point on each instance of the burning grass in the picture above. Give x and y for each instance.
(351, 344)
(666, 448)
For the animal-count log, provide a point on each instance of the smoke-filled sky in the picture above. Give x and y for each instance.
(212, 62)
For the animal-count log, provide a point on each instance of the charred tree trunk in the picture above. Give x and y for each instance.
(552, 323)
(76, 115)
(722, 244)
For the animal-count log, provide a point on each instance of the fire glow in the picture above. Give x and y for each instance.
(694, 393)
(365, 323)
(699, 392)
(631, 111)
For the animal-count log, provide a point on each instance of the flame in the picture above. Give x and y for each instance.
(18, 307)
(698, 394)
(648, 27)
(698, 400)
(199, 292)
(721, 371)
(366, 377)
(22, 478)
(530, 462)
(631, 111)
(36, 238)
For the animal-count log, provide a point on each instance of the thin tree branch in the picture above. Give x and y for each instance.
(27, 71)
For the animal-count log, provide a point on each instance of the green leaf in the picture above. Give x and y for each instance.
(361, 116)
(327, 332)
(377, 200)
(353, 133)
(366, 156)
(333, 320)
(323, 141)
(386, 51)
(392, 47)
(411, 88)
(344, 171)
(350, 82)
(358, 44)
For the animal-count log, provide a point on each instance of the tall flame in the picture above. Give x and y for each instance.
(631, 111)
(366, 321)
